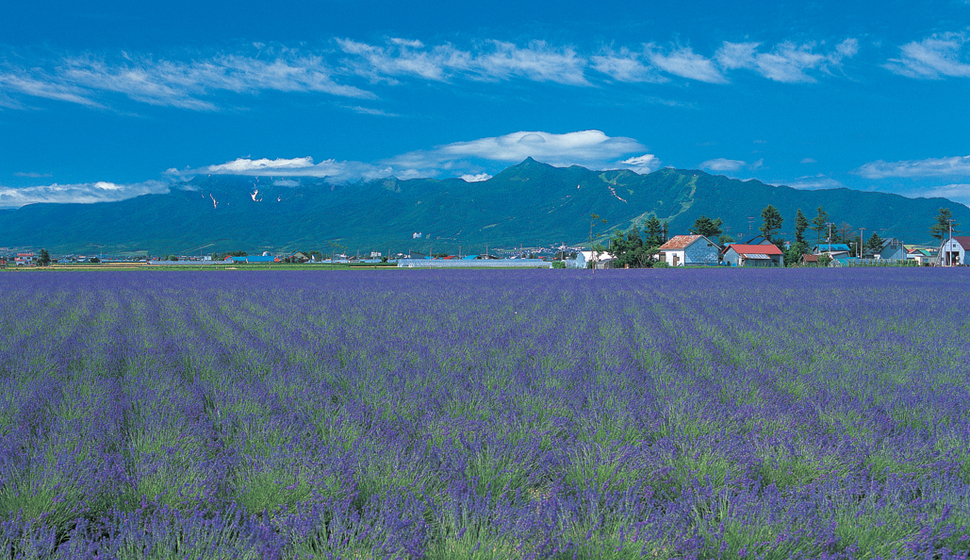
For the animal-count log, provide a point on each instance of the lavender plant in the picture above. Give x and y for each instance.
(485, 414)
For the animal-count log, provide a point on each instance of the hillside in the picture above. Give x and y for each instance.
(529, 204)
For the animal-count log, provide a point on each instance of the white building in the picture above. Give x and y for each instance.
(683, 250)
(953, 252)
(601, 258)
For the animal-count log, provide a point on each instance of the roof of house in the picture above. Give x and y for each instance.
(832, 247)
(757, 240)
(755, 249)
(964, 241)
(681, 241)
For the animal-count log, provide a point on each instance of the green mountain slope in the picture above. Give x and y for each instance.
(529, 204)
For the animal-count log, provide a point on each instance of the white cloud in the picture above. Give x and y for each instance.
(590, 148)
(816, 182)
(538, 62)
(336, 171)
(490, 61)
(201, 82)
(647, 163)
(31, 174)
(626, 66)
(44, 86)
(787, 62)
(476, 178)
(808, 160)
(957, 193)
(933, 58)
(370, 111)
(686, 64)
(723, 164)
(184, 84)
(402, 58)
(286, 183)
(933, 167)
(83, 193)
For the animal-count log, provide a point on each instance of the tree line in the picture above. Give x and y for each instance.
(636, 248)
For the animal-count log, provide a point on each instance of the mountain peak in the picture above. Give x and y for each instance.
(529, 162)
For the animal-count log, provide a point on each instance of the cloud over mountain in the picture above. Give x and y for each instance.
(83, 193)
(931, 167)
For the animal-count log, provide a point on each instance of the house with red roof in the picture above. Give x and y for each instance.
(954, 251)
(739, 254)
(689, 250)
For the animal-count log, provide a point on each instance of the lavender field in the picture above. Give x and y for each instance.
(485, 414)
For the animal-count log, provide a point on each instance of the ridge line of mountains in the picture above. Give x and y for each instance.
(530, 204)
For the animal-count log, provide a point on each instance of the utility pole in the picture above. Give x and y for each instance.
(592, 251)
(862, 239)
(949, 256)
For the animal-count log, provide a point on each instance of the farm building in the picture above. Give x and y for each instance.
(838, 251)
(892, 249)
(253, 259)
(953, 252)
(25, 259)
(683, 250)
(830, 248)
(922, 256)
(601, 258)
(753, 255)
(473, 263)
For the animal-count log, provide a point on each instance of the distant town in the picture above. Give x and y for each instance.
(677, 251)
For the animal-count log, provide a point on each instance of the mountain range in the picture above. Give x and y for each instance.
(530, 204)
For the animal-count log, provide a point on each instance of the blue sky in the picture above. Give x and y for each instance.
(105, 100)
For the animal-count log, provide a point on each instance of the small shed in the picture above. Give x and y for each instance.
(693, 250)
(754, 255)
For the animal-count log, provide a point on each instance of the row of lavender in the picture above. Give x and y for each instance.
(485, 414)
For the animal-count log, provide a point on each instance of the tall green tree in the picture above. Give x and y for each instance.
(801, 224)
(707, 227)
(873, 244)
(771, 222)
(630, 250)
(819, 224)
(941, 229)
(44, 258)
(653, 233)
(793, 255)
